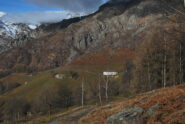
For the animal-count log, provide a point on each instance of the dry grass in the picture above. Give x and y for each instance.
(171, 110)
(108, 57)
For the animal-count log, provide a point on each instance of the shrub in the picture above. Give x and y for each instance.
(74, 74)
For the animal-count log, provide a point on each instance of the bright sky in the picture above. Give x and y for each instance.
(17, 6)
(21, 6)
(36, 11)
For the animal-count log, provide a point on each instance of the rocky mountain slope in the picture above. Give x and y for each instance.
(14, 35)
(115, 25)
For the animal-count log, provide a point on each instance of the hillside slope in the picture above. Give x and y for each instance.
(162, 106)
(121, 25)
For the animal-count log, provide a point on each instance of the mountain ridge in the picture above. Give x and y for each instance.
(121, 25)
(78, 46)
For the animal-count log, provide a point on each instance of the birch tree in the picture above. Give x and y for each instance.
(180, 68)
(165, 61)
(99, 87)
(106, 88)
(82, 102)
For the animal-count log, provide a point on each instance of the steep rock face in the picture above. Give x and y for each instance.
(114, 25)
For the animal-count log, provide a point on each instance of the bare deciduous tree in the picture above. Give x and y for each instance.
(82, 102)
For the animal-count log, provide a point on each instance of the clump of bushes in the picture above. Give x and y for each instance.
(74, 74)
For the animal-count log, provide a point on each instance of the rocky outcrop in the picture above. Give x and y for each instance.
(133, 115)
(127, 116)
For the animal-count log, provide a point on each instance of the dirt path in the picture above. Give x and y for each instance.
(71, 117)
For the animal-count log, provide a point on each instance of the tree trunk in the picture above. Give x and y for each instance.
(149, 75)
(106, 89)
(18, 116)
(164, 72)
(181, 71)
(100, 90)
(165, 60)
(82, 92)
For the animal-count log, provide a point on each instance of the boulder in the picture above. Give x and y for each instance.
(127, 116)
(152, 109)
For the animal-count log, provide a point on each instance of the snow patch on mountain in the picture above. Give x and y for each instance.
(9, 29)
(32, 27)
(18, 28)
(2, 14)
(13, 24)
(14, 34)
